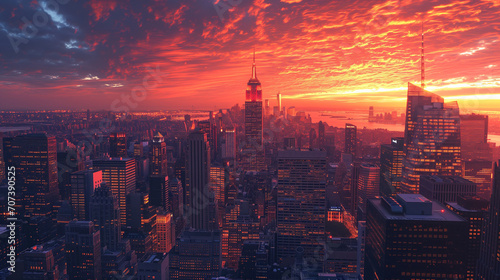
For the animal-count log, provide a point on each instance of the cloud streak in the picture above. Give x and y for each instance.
(324, 54)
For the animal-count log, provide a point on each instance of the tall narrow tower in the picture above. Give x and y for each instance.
(253, 111)
(278, 96)
(422, 65)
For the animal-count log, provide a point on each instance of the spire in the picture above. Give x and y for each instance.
(254, 68)
(422, 66)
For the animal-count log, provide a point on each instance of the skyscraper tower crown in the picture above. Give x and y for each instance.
(254, 88)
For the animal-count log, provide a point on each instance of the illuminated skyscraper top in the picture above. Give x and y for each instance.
(432, 138)
(254, 89)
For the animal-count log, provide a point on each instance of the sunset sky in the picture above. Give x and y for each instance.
(318, 54)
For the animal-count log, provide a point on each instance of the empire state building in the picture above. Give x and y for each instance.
(253, 112)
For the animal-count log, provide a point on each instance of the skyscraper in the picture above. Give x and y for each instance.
(208, 127)
(158, 181)
(411, 237)
(158, 155)
(301, 202)
(159, 194)
(165, 233)
(488, 265)
(474, 210)
(105, 213)
(217, 182)
(368, 186)
(83, 184)
(118, 144)
(34, 157)
(432, 138)
(267, 108)
(391, 167)
(350, 139)
(119, 175)
(229, 149)
(198, 179)
(278, 97)
(321, 135)
(253, 112)
(474, 137)
(83, 250)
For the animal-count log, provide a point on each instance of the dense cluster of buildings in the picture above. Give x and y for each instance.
(253, 194)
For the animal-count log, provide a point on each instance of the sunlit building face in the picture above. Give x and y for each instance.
(432, 138)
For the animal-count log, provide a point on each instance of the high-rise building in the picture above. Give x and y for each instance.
(253, 112)
(118, 144)
(278, 97)
(208, 127)
(371, 114)
(158, 158)
(391, 167)
(83, 250)
(352, 182)
(198, 179)
(83, 184)
(474, 210)
(69, 160)
(153, 266)
(34, 157)
(177, 201)
(119, 175)
(165, 233)
(432, 138)
(218, 182)
(159, 194)
(488, 265)
(321, 135)
(105, 213)
(368, 186)
(474, 137)
(445, 188)
(411, 237)
(196, 255)
(301, 202)
(350, 139)
(229, 149)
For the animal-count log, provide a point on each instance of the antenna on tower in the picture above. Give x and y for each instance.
(422, 64)
(254, 69)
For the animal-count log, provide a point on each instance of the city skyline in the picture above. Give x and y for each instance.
(319, 55)
(139, 141)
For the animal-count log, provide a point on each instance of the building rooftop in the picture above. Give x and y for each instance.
(445, 179)
(154, 258)
(438, 211)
